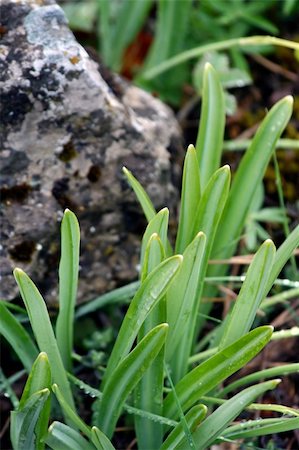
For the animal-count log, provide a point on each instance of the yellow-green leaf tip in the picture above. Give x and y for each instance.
(289, 99)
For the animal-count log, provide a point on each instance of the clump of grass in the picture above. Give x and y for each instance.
(161, 330)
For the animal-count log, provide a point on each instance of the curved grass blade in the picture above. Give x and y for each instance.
(159, 225)
(149, 293)
(207, 218)
(126, 376)
(95, 393)
(68, 281)
(216, 46)
(24, 422)
(249, 175)
(182, 417)
(212, 427)
(182, 296)
(193, 417)
(143, 198)
(100, 440)
(119, 295)
(260, 375)
(70, 413)
(148, 394)
(43, 331)
(251, 294)
(18, 337)
(63, 437)
(190, 197)
(129, 20)
(261, 427)
(210, 373)
(282, 255)
(212, 204)
(211, 126)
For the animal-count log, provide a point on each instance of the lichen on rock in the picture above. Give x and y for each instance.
(65, 136)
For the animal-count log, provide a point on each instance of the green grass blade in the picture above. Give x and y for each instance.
(95, 393)
(100, 440)
(149, 293)
(207, 218)
(190, 197)
(211, 126)
(210, 373)
(73, 417)
(254, 428)
(18, 337)
(39, 378)
(282, 255)
(119, 295)
(193, 417)
(260, 375)
(129, 20)
(159, 225)
(251, 294)
(68, 281)
(43, 331)
(217, 46)
(143, 198)
(170, 33)
(148, 394)
(126, 376)
(249, 175)
(212, 427)
(182, 296)
(104, 30)
(24, 422)
(212, 204)
(63, 437)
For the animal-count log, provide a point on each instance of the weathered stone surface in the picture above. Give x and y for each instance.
(65, 134)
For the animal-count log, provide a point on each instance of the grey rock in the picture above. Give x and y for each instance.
(66, 131)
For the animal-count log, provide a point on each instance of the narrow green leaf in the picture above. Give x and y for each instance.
(143, 198)
(260, 375)
(182, 296)
(207, 218)
(211, 372)
(148, 394)
(190, 197)
(24, 421)
(249, 175)
(282, 255)
(100, 440)
(39, 378)
(126, 376)
(68, 281)
(18, 337)
(251, 294)
(211, 127)
(63, 437)
(212, 427)
(149, 293)
(261, 427)
(159, 225)
(43, 331)
(70, 413)
(119, 295)
(193, 417)
(216, 46)
(129, 20)
(212, 204)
